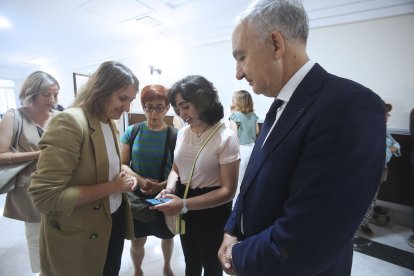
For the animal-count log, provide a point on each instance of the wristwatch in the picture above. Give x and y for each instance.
(184, 210)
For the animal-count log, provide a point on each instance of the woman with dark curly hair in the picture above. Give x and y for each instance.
(214, 180)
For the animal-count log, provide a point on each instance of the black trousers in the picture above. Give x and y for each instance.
(203, 237)
(116, 243)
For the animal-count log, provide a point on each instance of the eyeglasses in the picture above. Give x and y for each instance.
(157, 108)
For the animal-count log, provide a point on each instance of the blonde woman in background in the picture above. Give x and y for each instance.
(39, 94)
(247, 128)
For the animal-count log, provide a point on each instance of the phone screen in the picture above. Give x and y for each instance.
(154, 201)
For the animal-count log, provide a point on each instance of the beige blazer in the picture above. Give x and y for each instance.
(73, 240)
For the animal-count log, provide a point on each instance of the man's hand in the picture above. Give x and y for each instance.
(224, 254)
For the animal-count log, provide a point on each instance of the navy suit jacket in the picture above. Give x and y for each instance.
(305, 192)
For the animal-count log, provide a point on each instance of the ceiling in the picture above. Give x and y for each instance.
(77, 33)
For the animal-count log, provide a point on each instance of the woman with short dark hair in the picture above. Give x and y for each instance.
(147, 154)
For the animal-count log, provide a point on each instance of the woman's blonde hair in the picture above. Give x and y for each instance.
(36, 83)
(244, 101)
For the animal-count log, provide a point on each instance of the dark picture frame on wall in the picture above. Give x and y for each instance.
(78, 81)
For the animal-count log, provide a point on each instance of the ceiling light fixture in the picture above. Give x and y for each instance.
(149, 21)
(4, 23)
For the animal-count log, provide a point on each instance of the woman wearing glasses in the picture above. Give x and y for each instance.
(147, 154)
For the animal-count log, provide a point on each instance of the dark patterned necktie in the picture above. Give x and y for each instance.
(268, 122)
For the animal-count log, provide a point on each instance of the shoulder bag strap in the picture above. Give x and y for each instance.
(173, 139)
(135, 129)
(170, 141)
(164, 157)
(216, 128)
(17, 129)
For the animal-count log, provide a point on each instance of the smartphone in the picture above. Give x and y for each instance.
(154, 201)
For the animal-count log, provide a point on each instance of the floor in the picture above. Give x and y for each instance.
(385, 253)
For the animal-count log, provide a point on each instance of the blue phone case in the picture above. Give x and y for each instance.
(154, 201)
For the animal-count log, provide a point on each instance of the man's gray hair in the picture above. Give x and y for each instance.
(287, 16)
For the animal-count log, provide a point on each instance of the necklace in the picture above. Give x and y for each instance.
(164, 125)
(201, 132)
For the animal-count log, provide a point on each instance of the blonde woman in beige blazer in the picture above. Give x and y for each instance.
(78, 186)
(38, 96)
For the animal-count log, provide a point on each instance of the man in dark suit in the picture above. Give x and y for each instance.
(318, 159)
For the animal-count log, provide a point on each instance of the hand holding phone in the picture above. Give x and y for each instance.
(154, 201)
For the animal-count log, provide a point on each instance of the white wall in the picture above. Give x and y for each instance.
(378, 54)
